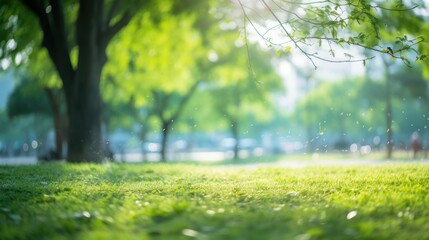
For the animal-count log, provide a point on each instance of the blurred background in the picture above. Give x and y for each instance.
(187, 89)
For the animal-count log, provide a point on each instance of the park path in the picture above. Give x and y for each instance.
(284, 164)
(31, 160)
(337, 162)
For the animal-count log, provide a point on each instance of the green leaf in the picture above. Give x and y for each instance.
(334, 33)
(348, 55)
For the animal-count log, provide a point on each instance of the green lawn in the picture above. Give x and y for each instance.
(184, 201)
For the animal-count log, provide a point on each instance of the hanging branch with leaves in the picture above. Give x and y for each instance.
(319, 28)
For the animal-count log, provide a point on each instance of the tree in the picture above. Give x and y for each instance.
(398, 86)
(408, 24)
(354, 110)
(21, 135)
(168, 107)
(336, 110)
(170, 70)
(76, 35)
(43, 76)
(97, 22)
(242, 86)
(30, 98)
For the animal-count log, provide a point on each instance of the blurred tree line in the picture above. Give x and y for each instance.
(338, 113)
(188, 66)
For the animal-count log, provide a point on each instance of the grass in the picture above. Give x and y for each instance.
(184, 201)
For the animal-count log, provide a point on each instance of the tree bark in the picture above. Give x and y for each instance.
(85, 122)
(59, 121)
(84, 100)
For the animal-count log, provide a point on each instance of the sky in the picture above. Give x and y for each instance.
(296, 85)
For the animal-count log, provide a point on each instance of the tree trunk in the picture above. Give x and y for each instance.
(310, 142)
(84, 99)
(235, 120)
(389, 112)
(235, 135)
(85, 124)
(389, 120)
(165, 132)
(162, 103)
(85, 110)
(59, 121)
(143, 135)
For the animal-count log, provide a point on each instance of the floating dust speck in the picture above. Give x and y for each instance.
(86, 214)
(189, 232)
(351, 215)
(278, 208)
(211, 212)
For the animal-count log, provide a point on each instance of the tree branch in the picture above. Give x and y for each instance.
(38, 9)
(331, 24)
(112, 11)
(287, 33)
(58, 18)
(54, 36)
(306, 3)
(100, 18)
(415, 41)
(185, 100)
(111, 31)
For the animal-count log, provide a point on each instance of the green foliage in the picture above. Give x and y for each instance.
(246, 80)
(339, 108)
(146, 61)
(42, 71)
(185, 201)
(155, 73)
(16, 43)
(424, 49)
(144, 58)
(28, 98)
(355, 108)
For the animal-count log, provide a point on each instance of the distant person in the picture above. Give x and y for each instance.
(415, 144)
